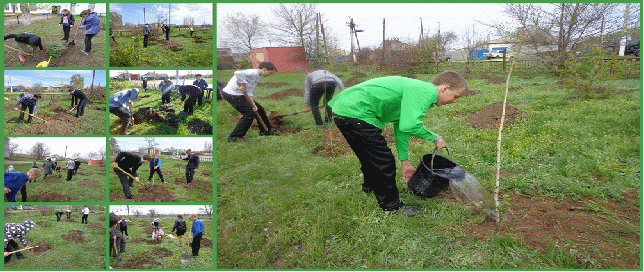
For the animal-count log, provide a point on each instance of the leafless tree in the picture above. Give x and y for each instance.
(207, 209)
(296, 22)
(137, 212)
(26, 13)
(153, 212)
(244, 31)
(207, 146)
(101, 154)
(39, 151)
(10, 149)
(188, 20)
(76, 155)
(37, 87)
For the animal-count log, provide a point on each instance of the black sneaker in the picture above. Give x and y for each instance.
(269, 133)
(237, 139)
(366, 189)
(132, 197)
(9, 262)
(406, 210)
(19, 122)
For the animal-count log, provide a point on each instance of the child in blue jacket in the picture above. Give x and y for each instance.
(92, 26)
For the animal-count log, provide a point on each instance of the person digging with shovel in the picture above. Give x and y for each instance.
(14, 231)
(121, 105)
(92, 25)
(66, 21)
(316, 85)
(191, 167)
(362, 111)
(239, 93)
(79, 99)
(26, 41)
(29, 101)
(128, 163)
(155, 167)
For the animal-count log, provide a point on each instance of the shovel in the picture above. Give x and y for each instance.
(26, 248)
(72, 108)
(185, 258)
(144, 185)
(259, 120)
(73, 42)
(18, 50)
(34, 116)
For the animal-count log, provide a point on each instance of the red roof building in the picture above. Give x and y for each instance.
(286, 59)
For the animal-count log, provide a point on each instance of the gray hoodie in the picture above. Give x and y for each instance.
(319, 76)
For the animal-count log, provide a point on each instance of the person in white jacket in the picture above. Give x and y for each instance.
(85, 215)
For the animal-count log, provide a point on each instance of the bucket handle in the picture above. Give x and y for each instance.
(431, 165)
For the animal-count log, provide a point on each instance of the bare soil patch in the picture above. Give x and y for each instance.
(43, 224)
(285, 93)
(147, 241)
(199, 39)
(42, 248)
(101, 218)
(53, 179)
(206, 243)
(51, 197)
(199, 127)
(334, 144)
(161, 252)
(491, 79)
(490, 116)
(276, 123)
(53, 127)
(89, 183)
(96, 226)
(272, 84)
(156, 193)
(141, 261)
(171, 46)
(74, 236)
(469, 93)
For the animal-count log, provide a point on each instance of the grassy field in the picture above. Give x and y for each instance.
(56, 252)
(166, 255)
(571, 163)
(88, 185)
(50, 33)
(59, 121)
(174, 190)
(200, 123)
(182, 51)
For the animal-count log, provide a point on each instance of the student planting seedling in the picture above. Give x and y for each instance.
(239, 93)
(27, 41)
(194, 93)
(58, 214)
(362, 111)
(166, 87)
(203, 85)
(157, 234)
(27, 101)
(79, 99)
(117, 243)
(121, 106)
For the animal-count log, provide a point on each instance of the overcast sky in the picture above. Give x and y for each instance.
(162, 209)
(51, 77)
(114, 73)
(134, 143)
(82, 145)
(133, 13)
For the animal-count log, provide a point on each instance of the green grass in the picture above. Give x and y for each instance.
(152, 98)
(50, 33)
(129, 51)
(280, 207)
(138, 230)
(74, 189)
(88, 255)
(91, 123)
(202, 194)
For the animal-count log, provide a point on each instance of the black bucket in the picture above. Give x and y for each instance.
(433, 175)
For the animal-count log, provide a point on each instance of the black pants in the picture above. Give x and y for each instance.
(191, 33)
(189, 106)
(165, 97)
(190, 173)
(113, 38)
(125, 116)
(318, 90)
(84, 219)
(23, 192)
(240, 104)
(22, 113)
(58, 216)
(145, 40)
(377, 162)
(66, 32)
(124, 231)
(69, 216)
(70, 173)
(155, 224)
(126, 182)
(196, 244)
(80, 110)
(167, 35)
(200, 99)
(13, 246)
(88, 42)
(158, 171)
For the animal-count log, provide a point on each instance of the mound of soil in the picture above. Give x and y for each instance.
(51, 179)
(84, 174)
(51, 197)
(43, 224)
(272, 84)
(206, 172)
(490, 116)
(544, 221)
(96, 226)
(171, 46)
(147, 241)
(70, 220)
(156, 193)
(74, 236)
(42, 248)
(333, 144)
(54, 127)
(56, 108)
(165, 172)
(90, 183)
(199, 127)
(206, 243)
(141, 261)
(179, 165)
(284, 93)
(101, 218)
(145, 114)
(469, 92)
(199, 39)
(160, 252)
(180, 181)
(513, 89)
(204, 186)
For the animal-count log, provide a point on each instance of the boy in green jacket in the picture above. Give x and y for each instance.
(362, 111)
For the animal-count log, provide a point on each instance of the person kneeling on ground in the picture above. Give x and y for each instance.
(27, 101)
(157, 234)
(14, 231)
(26, 40)
(16, 181)
(239, 93)
(362, 111)
(191, 167)
(317, 84)
(197, 232)
(129, 163)
(180, 227)
(117, 243)
(80, 100)
(121, 106)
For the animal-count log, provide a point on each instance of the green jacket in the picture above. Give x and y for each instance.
(393, 99)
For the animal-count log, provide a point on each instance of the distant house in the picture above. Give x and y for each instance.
(61, 87)
(286, 59)
(55, 8)
(95, 162)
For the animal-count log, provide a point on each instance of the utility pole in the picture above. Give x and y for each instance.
(143, 15)
(10, 86)
(622, 44)
(384, 48)
(421, 29)
(93, 76)
(351, 26)
(177, 79)
(317, 38)
(169, 13)
(326, 48)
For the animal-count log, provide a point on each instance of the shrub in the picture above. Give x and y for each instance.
(128, 54)
(581, 75)
(55, 50)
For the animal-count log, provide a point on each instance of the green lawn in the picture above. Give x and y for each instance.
(51, 33)
(62, 255)
(199, 191)
(128, 51)
(165, 255)
(280, 207)
(91, 123)
(200, 123)
(88, 185)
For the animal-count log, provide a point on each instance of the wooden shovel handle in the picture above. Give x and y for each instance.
(26, 248)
